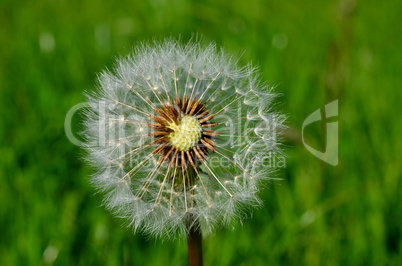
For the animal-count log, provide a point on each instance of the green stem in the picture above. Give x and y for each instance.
(194, 237)
(194, 242)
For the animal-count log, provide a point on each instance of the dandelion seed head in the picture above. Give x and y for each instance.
(180, 130)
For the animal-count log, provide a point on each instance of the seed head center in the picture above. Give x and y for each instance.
(186, 134)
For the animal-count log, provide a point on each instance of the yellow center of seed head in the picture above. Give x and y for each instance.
(186, 134)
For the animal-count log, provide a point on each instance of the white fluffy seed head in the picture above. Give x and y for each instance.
(156, 196)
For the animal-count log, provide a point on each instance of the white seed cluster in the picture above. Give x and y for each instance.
(157, 196)
(186, 134)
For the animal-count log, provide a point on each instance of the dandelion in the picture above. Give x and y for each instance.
(180, 136)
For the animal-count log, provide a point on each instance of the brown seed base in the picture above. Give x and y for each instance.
(173, 112)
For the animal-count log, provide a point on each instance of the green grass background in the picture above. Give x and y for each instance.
(318, 214)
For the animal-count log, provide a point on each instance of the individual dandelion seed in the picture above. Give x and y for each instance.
(180, 136)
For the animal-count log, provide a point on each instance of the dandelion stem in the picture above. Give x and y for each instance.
(194, 242)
